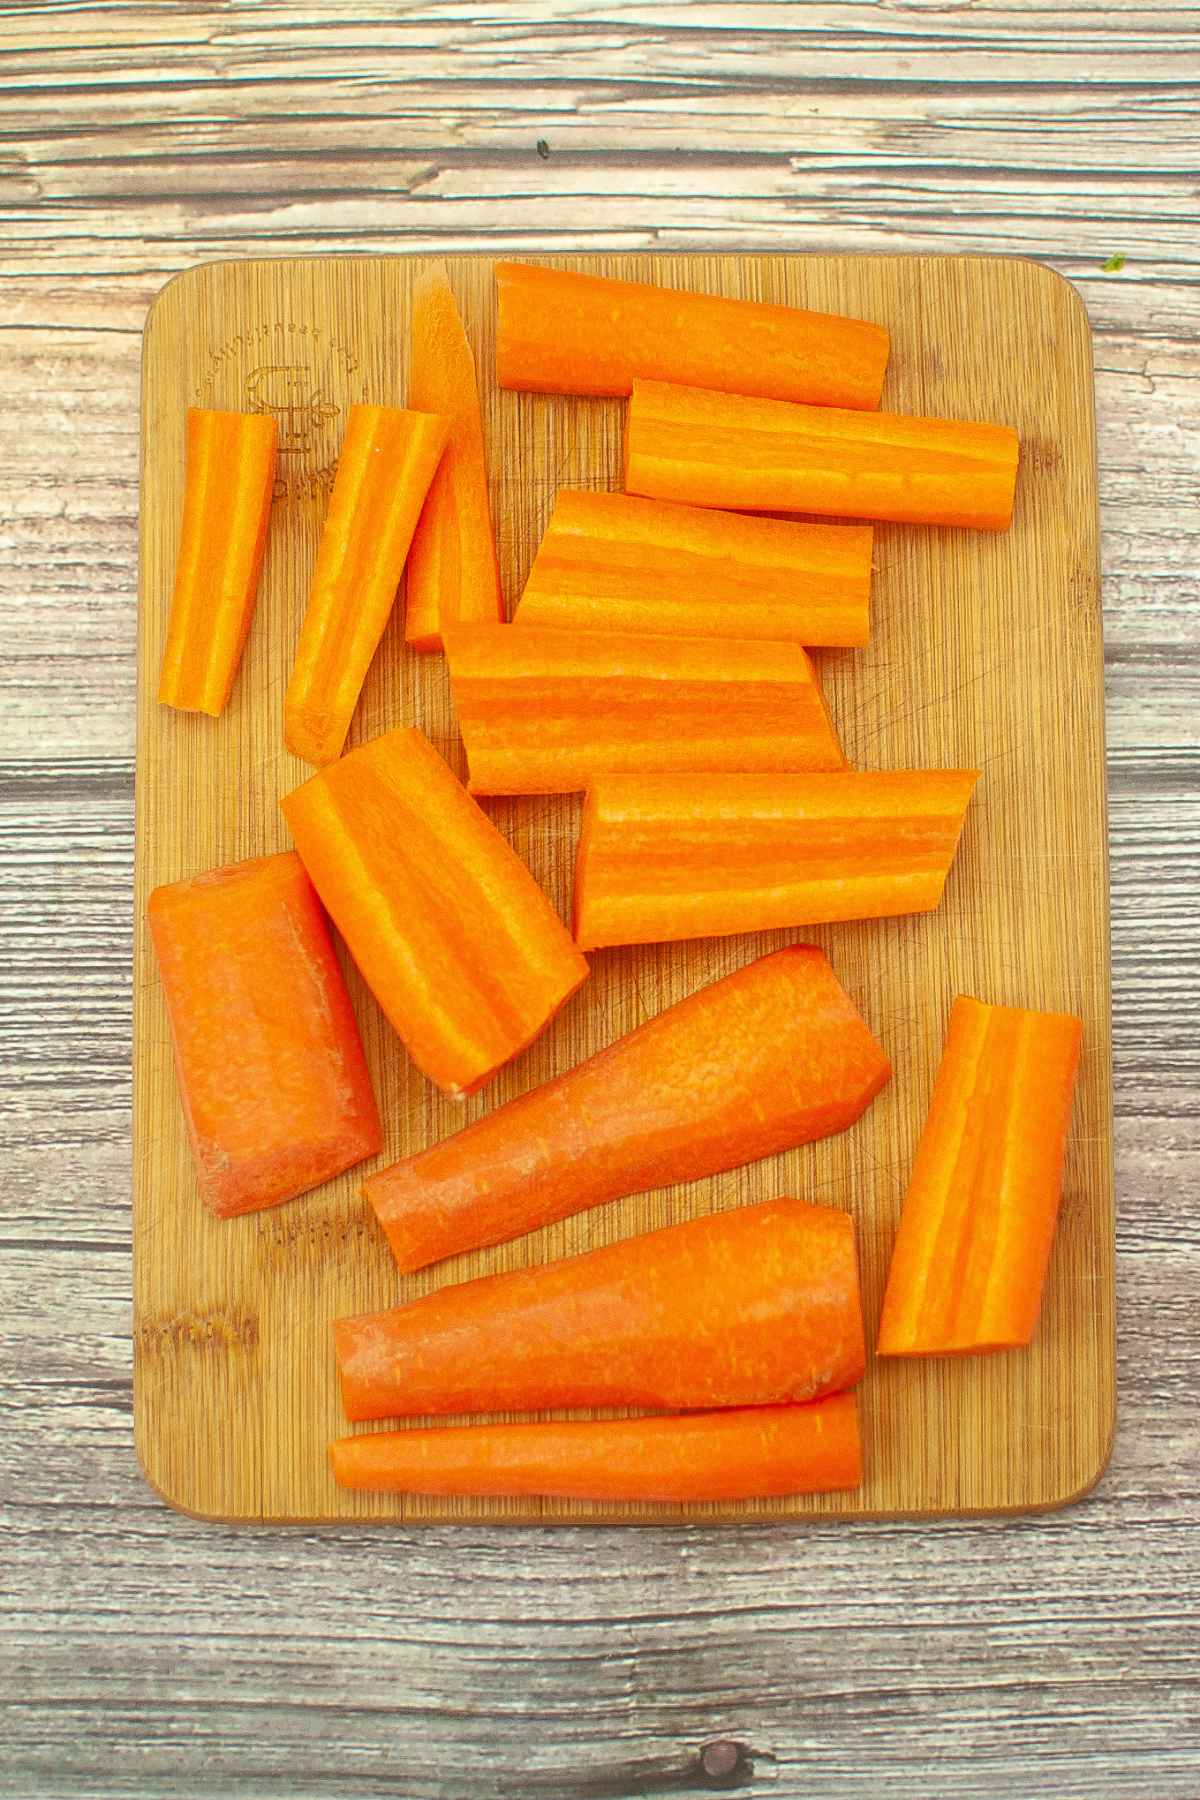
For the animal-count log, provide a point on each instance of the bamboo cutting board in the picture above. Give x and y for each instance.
(986, 653)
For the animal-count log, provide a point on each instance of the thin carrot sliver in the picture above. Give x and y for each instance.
(453, 576)
(743, 1453)
(228, 485)
(387, 462)
(971, 1254)
(728, 450)
(751, 1307)
(615, 562)
(560, 332)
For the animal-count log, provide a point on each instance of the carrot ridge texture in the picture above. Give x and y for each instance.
(617, 562)
(971, 1254)
(706, 449)
(743, 1453)
(751, 1307)
(452, 934)
(453, 576)
(665, 857)
(388, 459)
(542, 712)
(563, 333)
(228, 485)
(271, 1071)
(772, 1056)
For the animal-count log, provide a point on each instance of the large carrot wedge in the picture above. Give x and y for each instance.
(228, 484)
(612, 562)
(774, 1055)
(542, 712)
(708, 449)
(271, 1072)
(387, 462)
(682, 856)
(974, 1242)
(739, 1308)
(743, 1453)
(455, 939)
(562, 333)
(453, 577)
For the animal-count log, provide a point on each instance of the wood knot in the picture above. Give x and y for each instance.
(724, 1763)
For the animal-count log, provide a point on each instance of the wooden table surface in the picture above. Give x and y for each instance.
(142, 1653)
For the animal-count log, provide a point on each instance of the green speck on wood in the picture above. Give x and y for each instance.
(543, 150)
(1113, 265)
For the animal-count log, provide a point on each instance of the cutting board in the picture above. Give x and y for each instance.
(985, 653)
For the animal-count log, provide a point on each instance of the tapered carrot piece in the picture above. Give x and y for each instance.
(271, 1072)
(771, 1056)
(453, 576)
(542, 712)
(768, 456)
(562, 333)
(387, 462)
(227, 492)
(743, 1453)
(742, 1308)
(663, 857)
(612, 562)
(454, 937)
(974, 1242)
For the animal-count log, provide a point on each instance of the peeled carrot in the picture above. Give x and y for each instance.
(743, 1308)
(663, 857)
(387, 462)
(563, 333)
(454, 937)
(611, 562)
(771, 1056)
(743, 1453)
(227, 492)
(271, 1072)
(542, 712)
(453, 576)
(974, 1242)
(768, 456)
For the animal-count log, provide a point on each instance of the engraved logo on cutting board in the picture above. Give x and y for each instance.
(303, 375)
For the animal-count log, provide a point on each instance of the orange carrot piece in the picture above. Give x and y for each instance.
(387, 462)
(743, 1453)
(542, 712)
(974, 1242)
(771, 1056)
(453, 936)
(453, 576)
(664, 857)
(768, 456)
(563, 333)
(744, 1308)
(271, 1071)
(227, 492)
(611, 562)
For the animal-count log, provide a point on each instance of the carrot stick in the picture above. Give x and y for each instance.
(542, 712)
(226, 509)
(768, 456)
(663, 857)
(387, 462)
(771, 1056)
(562, 333)
(742, 1308)
(271, 1072)
(610, 562)
(974, 1242)
(454, 937)
(453, 576)
(740, 1454)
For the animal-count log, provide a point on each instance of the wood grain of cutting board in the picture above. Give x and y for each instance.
(985, 652)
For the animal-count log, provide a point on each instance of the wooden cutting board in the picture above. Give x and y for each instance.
(986, 652)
